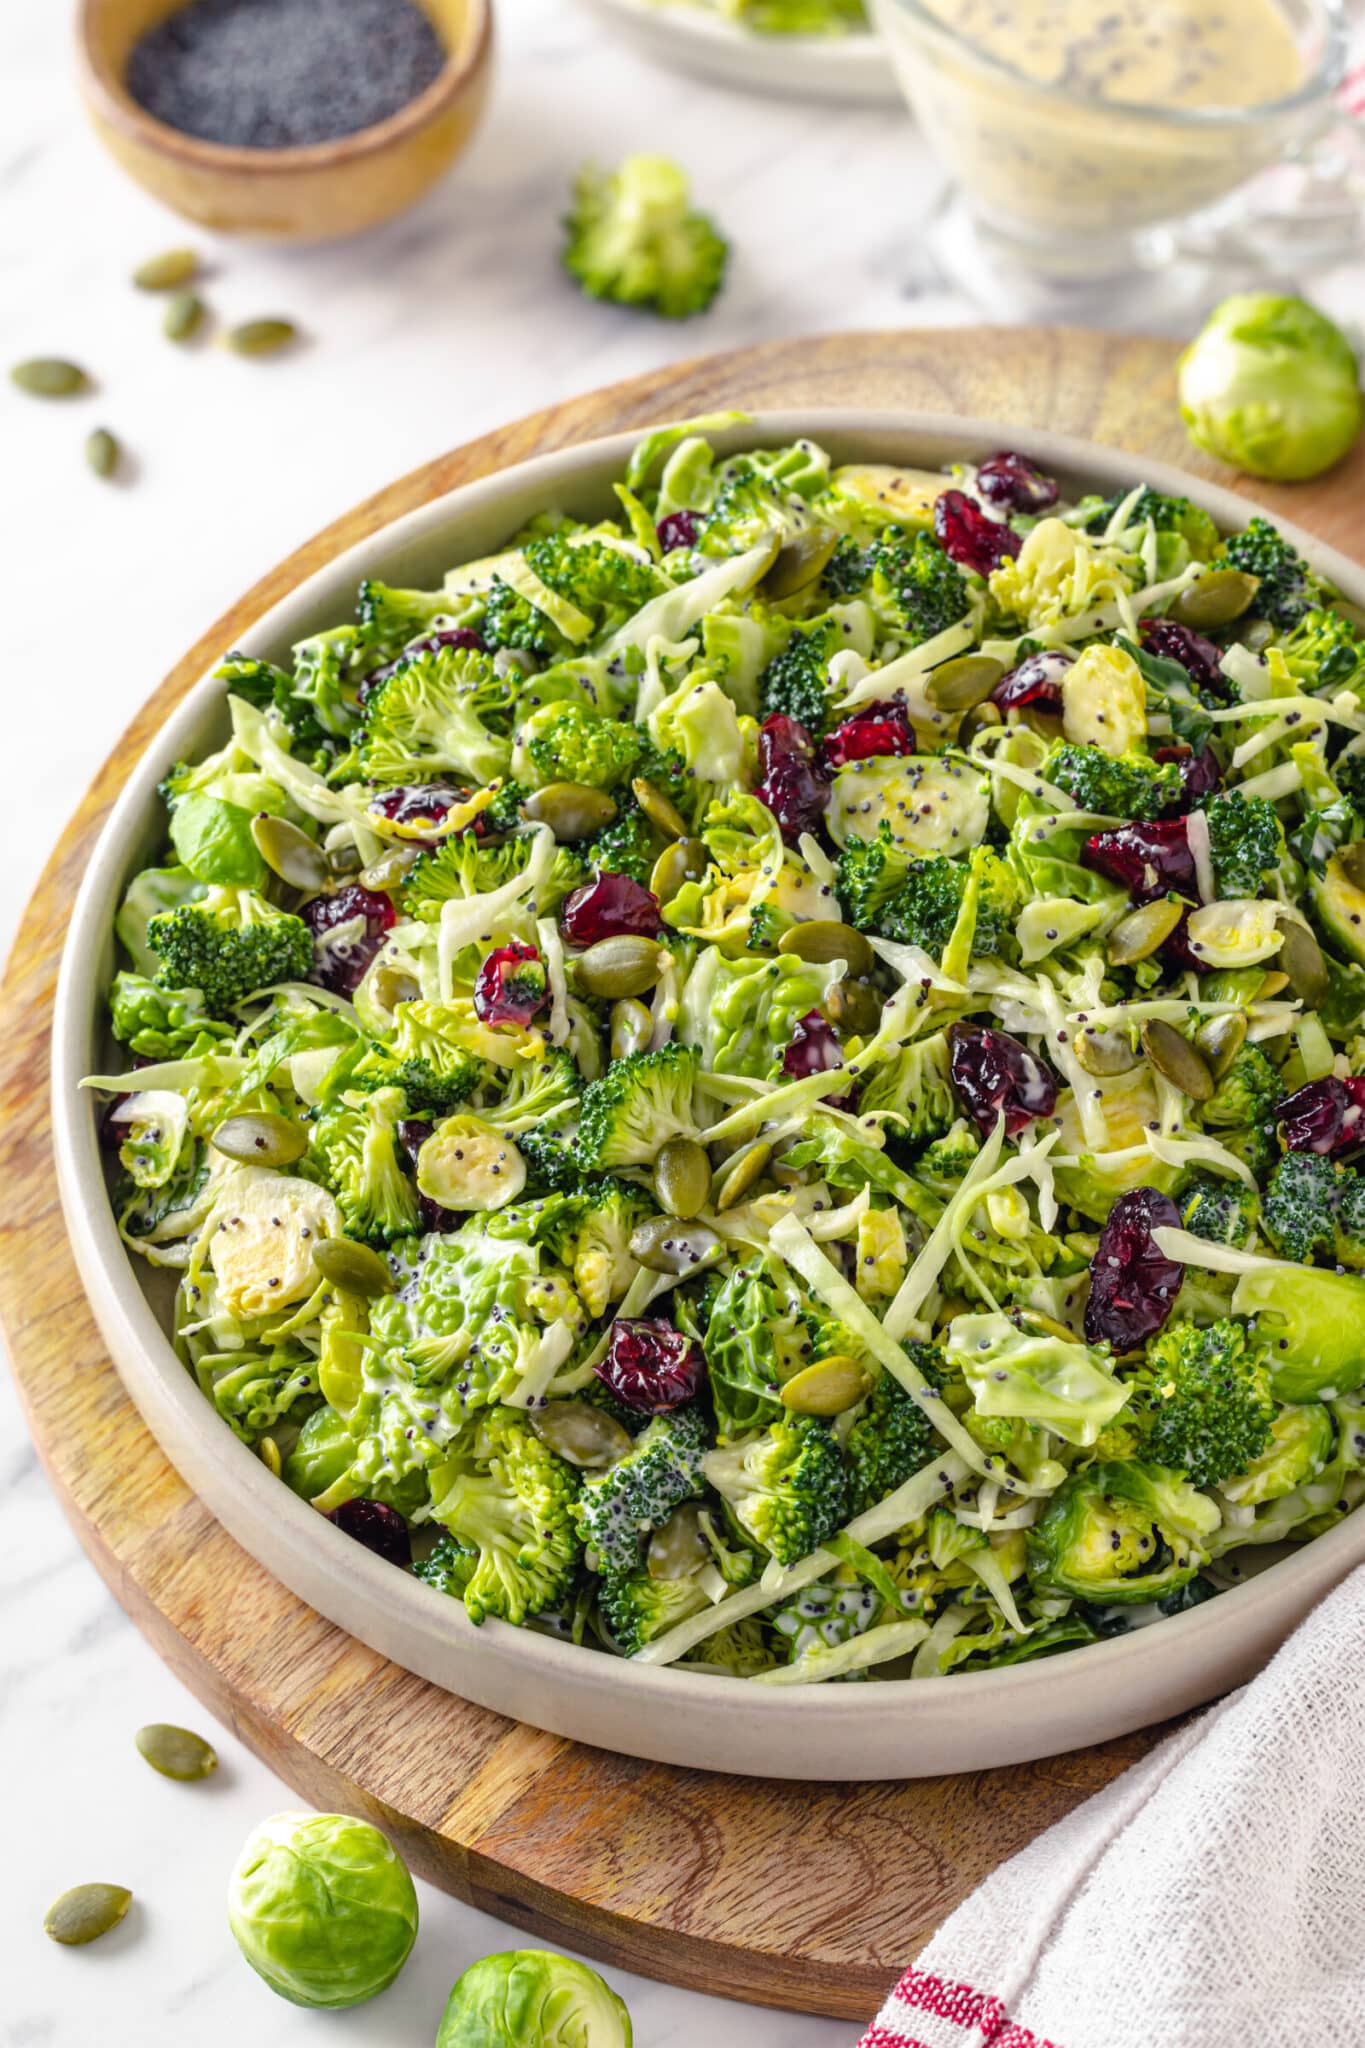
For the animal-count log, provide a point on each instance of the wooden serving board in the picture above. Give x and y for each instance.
(790, 1895)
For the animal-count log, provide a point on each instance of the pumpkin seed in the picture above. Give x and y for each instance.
(571, 809)
(739, 1174)
(1301, 959)
(102, 452)
(677, 1547)
(853, 1008)
(1351, 861)
(260, 1137)
(86, 1912)
(1255, 635)
(1105, 1052)
(183, 316)
(260, 337)
(290, 853)
(659, 809)
(798, 562)
(624, 965)
(177, 1752)
(344, 859)
(352, 1267)
(1138, 935)
(1177, 1060)
(393, 866)
(1214, 599)
(389, 986)
(822, 939)
(49, 377)
(978, 720)
(962, 684)
(684, 861)
(632, 1027)
(269, 1452)
(1274, 984)
(1221, 1039)
(666, 1245)
(164, 273)
(682, 1177)
(581, 1434)
(827, 1387)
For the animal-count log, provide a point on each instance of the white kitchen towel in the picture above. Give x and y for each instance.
(1211, 1897)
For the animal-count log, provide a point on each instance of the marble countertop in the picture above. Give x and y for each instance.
(423, 334)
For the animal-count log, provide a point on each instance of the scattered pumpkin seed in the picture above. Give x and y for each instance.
(177, 1752)
(798, 562)
(1105, 1052)
(623, 965)
(682, 1178)
(853, 1007)
(659, 809)
(666, 1245)
(1214, 599)
(1301, 959)
(166, 272)
(269, 1452)
(49, 377)
(822, 939)
(1138, 935)
(1274, 984)
(183, 316)
(1220, 1040)
(684, 861)
(827, 1387)
(86, 1912)
(632, 1027)
(260, 1137)
(572, 810)
(677, 1546)
(1255, 635)
(1176, 1059)
(102, 452)
(260, 337)
(290, 853)
(963, 683)
(352, 1267)
(581, 1434)
(979, 719)
(739, 1174)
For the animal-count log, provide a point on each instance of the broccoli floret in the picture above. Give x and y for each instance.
(786, 1486)
(1326, 652)
(924, 909)
(512, 1501)
(569, 743)
(161, 1023)
(848, 569)
(431, 1092)
(1287, 589)
(1223, 1211)
(796, 682)
(618, 1508)
(261, 684)
(913, 1090)
(1245, 841)
(539, 1093)
(636, 1608)
(871, 872)
(512, 621)
(448, 1566)
(504, 813)
(552, 1161)
(1246, 1094)
(1205, 1400)
(591, 1235)
(892, 1437)
(1167, 514)
(1129, 786)
(916, 585)
(1349, 1242)
(634, 239)
(628, 846)
(1256, 1145)
(636, 1107)
(1299, 1208)
(466, 865)
(226, 945)
(424, 1042)
(443, 709)
(390, 618)
(606, 583)
(354, 1149)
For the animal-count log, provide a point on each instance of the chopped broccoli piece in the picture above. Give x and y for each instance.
(891, 1437)
(636, 1107)
(848, 569)
(1205, 1400)
(448, 1566)
(539, 1093)
(1129, 786)
(512, 621)
(628, 846)
(1167, 514)
(1326, 652)
(227, 944)
(390, 618)
(607, 583)
(567, 742)
(512, 1501)
(796, 682)
(354, 1149)
(871, 873)
(1299, 1208)
(1246, 1094)
(786, 1487)
(1223, 1211)
(618, 1508)
(466, 865)
(924, 907)
(634, 239)
(913, 1090)
(1245, 841)
(1287, 590)
(591, 1234)
(443, 709)
(552, 1161)
(636, 1608)
(916, 586)
(161, 1023)
(1349, 1242)
(504, 813)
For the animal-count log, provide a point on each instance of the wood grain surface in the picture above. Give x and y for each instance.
(787, 1895)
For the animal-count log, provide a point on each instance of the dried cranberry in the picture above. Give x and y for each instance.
(444, 636)
(342, 966)
(880, 728)
(1197, 656)
(1179, 949)
(1036, 685)
(416, 803)
(1133, 1284)
(1200, 775)
(1323, 1116)
(511, 986)
(970, 537)
(790, 784)
(812, 1048)
(412, 1133)
(1148, 860)
(380, 1529)
(651, 1366)
(1016, 483)
(993, 1072)
(678, 530)
(608, 906)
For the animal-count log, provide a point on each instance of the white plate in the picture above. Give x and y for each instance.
(852, 68)
(890, 1730)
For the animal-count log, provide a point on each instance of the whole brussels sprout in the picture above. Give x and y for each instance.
(322, 1906)
(528, 1998)
(1272, 386)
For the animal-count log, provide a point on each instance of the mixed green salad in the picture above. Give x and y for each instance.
(786, 17)
(774, 1081)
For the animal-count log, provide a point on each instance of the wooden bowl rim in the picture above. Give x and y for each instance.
(115, 105)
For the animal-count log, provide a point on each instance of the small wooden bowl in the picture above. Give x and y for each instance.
(313, 194)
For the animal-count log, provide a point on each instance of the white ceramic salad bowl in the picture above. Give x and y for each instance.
(853, 69)
(673, 1716)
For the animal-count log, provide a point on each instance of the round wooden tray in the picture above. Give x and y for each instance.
(783, 1894)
